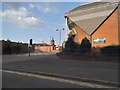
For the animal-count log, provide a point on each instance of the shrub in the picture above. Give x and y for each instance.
(71, 46)
(85, 43)
(85, 46)
(8, 48)
(111, 50)
(17, 48)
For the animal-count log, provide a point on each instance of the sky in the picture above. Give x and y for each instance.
(22, 21)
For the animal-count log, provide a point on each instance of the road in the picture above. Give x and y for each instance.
(21, 81)
(51, 64)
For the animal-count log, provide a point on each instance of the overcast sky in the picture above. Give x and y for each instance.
(37, 20)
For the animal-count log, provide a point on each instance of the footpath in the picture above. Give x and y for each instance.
(91, 58)
(32, 54)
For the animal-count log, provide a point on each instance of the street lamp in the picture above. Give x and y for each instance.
(59, 35)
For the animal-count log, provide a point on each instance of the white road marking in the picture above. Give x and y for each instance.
(85, 84)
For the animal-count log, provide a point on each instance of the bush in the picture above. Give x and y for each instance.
(71, 44)
(11, 47)
(8, 48)
(73, 47)
(111, 50)
(85, 46)
(85, 43)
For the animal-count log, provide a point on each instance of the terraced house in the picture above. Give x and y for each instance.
(98, 21)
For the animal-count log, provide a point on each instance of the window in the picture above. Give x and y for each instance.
(100, 41)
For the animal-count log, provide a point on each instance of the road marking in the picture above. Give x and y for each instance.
(80, 83)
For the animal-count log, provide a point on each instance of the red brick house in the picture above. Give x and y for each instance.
(46, 47)
(98, 21)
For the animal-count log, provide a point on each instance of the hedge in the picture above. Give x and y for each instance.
(111, 50)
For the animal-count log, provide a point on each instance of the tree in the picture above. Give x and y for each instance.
(85, 43)
(71, 44)
(85, 46)
(18, 48)
(8, 47)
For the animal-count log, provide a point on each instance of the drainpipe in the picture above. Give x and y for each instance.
(90, 38)
(119, 22)
(66, 27)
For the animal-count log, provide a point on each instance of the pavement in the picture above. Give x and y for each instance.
(51, 65)
(102, 58)
(22, 57)
(32, 54)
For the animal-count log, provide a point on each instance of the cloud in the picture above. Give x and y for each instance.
(28, 21)
(31, 6)
(98, 0)
(47, 10)
(13, 13)
(21, 17)
(48, 7)
(107, 0)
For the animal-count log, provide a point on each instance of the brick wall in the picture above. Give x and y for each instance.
(45, 48)
(108, 30)
(80, 34)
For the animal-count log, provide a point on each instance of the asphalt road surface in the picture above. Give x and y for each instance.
(21, 81)
(50, 63)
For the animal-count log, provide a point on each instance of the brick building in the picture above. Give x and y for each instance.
(8, 47)
(46, 47)
(98, 21)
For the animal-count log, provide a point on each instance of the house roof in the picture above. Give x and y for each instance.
(90, 16)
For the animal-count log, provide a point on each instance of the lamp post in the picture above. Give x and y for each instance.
(59, 35)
